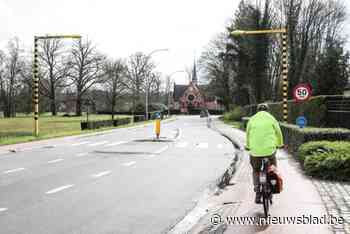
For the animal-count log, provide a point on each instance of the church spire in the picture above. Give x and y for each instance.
(194, 73)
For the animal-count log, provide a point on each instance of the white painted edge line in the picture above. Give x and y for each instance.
(55, 161)
(3, 209)
(117, 143)
(82, 154)
(162, 149)
(104, 173)
(99, 143)
(14, 170)
(128, 164)
(81, 143)
(60, 189)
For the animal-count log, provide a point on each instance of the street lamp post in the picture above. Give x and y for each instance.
(35, 84)
(283, 32)
(147, 84)
(169, 77)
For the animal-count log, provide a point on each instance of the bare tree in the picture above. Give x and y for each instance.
(10, 77)
(55, 68)
(87, 69)
(114, 82)
(139, 69)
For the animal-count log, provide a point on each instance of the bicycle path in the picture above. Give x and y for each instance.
(299, 200)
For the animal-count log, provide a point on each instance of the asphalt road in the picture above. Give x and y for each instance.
(117, 182)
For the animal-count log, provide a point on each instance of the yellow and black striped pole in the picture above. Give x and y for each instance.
(36, 88)
(285, 75)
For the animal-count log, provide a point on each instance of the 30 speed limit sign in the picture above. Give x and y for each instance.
(302, 92)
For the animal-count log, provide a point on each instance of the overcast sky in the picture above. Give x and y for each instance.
(123, 27)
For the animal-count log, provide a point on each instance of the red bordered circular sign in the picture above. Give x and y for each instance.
(302, 92)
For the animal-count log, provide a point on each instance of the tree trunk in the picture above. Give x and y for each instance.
(78, 106)
(53, 107)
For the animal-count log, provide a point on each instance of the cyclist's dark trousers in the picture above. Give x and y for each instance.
(256, 164)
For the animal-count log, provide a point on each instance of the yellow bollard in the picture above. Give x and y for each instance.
(157, 128)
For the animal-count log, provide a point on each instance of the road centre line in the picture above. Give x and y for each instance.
(104, 173)
(182, 144)
(56, 190)
(55, 160)
(3, 209)
(81, 143)
(129, 164)
(99, 143)
(117, 143)
(202, 145)
(81, 154)
(162, 149)
(14, 170)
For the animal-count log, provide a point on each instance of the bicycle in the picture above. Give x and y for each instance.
(265, 185)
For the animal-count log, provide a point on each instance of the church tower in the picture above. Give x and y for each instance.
(194, 74)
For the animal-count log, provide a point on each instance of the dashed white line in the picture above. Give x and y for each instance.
(81, 143)
(202, 145)
(161, 150)
(55, 161)
(182, 144)
(117, 143)
(99, 143)
(128, 164)
(56, 190)
(14, 170)
(82, 154)
(3, 209)
(104, 173)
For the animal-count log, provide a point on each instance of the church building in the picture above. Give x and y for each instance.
(193, 97)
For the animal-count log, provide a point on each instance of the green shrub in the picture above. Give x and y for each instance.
(235, 115)
(327, 160)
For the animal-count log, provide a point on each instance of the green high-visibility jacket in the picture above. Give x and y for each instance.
(264, 134)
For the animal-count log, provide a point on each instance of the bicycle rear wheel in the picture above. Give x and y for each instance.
(266, 203)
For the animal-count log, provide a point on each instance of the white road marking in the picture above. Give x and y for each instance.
(182, 144)
(202, 145)
(152, 155)
(99, 143)
(81, 154)
(220, 146)
(161, 150)
(3, 209)
(14, 170)
(81, 143)
(60, 189)
(117, 143)
(179, 134)
(129, 164)
(104, 173)
(56, 160)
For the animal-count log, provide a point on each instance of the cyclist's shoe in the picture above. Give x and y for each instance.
(258, 198)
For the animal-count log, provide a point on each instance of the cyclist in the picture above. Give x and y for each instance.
(264, 136)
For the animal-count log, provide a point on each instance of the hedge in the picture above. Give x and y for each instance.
(104, 123)
(235, 115)
(315, 110)
(326, 160)
(295, 136)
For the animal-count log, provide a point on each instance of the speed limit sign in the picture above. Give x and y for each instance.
(302, 92)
